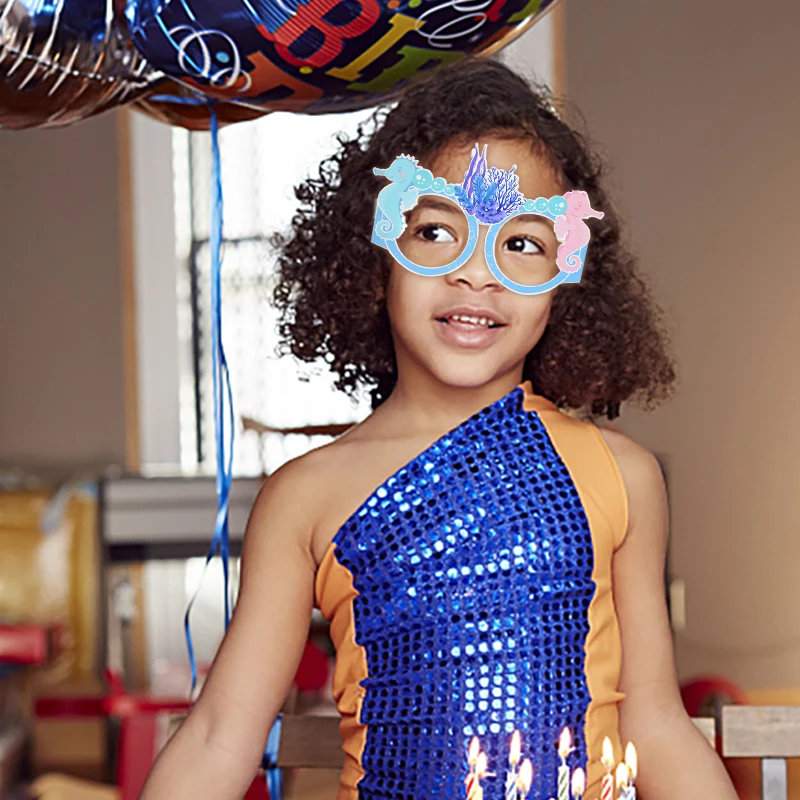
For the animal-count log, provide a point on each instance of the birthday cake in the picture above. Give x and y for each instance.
(618, 783)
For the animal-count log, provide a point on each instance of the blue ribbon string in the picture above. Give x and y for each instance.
(223, 398)
(223, 411)
(270, 761)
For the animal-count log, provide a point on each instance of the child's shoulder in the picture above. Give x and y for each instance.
(321, 489)
(635, 462)
(304, 482)
(640, 471)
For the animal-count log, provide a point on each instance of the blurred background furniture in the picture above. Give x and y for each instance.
(94, 582)
(768, 733)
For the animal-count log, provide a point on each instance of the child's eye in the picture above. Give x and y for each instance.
(435, 233)
(524, 245)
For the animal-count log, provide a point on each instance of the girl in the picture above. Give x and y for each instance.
(507, 571)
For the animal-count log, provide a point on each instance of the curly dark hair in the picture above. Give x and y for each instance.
(605, 342)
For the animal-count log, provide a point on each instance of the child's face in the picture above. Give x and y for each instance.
(465, 328)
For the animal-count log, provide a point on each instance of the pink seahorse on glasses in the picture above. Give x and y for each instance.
(572, 231)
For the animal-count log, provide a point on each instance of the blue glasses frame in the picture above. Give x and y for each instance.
(485, 194)
(528, 207)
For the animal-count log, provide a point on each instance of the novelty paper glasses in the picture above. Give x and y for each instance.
(431, 226)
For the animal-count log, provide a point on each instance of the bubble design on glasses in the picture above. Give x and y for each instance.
(423, 178)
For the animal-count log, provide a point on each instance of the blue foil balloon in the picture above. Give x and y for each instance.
(317, 56)
(64, 60)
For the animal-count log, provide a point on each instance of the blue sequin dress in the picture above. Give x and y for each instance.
(460, 595)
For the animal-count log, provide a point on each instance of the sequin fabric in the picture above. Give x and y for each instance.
(473, 566)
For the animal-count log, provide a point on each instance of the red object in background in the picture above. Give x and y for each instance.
(257, 790)
(27, 645)
(705, 695)
(312, 674)
(137, 751)
(112, 705)
(136, 754)
(139, 715)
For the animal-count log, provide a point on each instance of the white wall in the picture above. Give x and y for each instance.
(696, 106)
(534, 53)
(156, 273)
(61, 370)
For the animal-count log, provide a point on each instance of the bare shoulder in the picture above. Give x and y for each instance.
(296, 486)
(639, 467)
(313, 494)
(641, 474)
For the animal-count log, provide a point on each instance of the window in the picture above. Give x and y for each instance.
(261, 163)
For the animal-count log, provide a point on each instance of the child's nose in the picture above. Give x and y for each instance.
(475, 271)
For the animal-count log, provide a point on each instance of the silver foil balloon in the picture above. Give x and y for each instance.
(64, 60)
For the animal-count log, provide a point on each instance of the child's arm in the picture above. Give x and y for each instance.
(674, 758)
(218, 749)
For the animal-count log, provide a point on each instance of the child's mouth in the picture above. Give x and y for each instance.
(462, 319)
(467, 330)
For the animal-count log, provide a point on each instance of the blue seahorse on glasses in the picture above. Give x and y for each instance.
(490, 195)
(399, 196)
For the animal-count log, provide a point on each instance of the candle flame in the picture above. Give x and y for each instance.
(525, 778)
(632, 760)
(622, 775)
(578, 782)
(565, 743)
(607, 758)
(481, 765)
(516, 749)
(474, 750)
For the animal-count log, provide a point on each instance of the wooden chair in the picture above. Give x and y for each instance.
(768, 733)
(310, 742)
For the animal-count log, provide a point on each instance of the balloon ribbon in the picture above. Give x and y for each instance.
(223, 411)
(223, 401)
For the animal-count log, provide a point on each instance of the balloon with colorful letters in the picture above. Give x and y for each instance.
(317, 56)
(64, 60)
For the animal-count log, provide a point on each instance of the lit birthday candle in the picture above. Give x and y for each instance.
(622, 780)
(578, 783)
(481, 771)
(607, 759)
(525, 779)
(513, 761)
(472, 783)
(474, 752)
(564, 749)
(632, 762)
(474, 788)
(482, 766)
